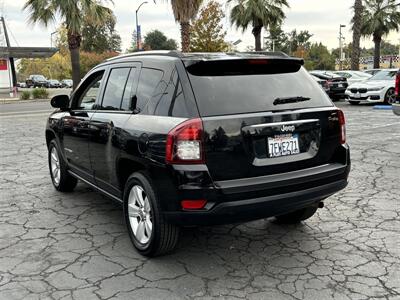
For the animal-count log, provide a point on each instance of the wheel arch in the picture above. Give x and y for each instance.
(125, 168)
(50, 135)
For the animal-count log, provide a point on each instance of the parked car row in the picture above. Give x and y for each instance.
(370, 86)
(40, 81)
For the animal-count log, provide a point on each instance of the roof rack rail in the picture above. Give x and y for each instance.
(172, 53)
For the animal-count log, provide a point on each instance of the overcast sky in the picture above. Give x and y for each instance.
(320, 17)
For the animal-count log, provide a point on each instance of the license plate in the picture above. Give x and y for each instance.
(340, 85)
(283, 145)
(357, 96)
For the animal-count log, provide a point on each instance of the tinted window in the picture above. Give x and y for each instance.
(172, 101)
(221, 95)
(149, 79)
(115, 89)
(89, 91)
(129, 91)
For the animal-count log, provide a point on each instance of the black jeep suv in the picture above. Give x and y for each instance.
(199, 139)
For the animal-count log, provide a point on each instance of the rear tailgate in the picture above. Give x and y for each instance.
(243, 146)
(248, 133)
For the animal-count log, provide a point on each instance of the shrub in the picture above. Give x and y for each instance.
(25, 95)
(40, 93)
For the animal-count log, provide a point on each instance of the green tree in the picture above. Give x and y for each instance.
(184, 11)
(156, 40)
(101, 37)
(207, 30)
(258, 14)
(379, 17)
(72, 13)
(319, 58)
(277, 39)
(357, 23)
(299, 40)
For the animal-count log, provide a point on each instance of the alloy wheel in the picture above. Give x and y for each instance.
(140, 217)
(390, 96)
(55, 166)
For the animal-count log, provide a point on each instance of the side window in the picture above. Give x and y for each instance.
(115, 89)
(149, 79)
(129, 91)
(90, 92)
(172, 103)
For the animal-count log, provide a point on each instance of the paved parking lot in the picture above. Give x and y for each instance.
(75, 246)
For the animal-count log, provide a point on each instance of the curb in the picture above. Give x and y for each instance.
(10, 101)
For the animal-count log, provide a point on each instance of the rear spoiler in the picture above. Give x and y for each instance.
(250, 65)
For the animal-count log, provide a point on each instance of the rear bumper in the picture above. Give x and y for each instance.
(256, 208)
(251, 198)
(337, 92)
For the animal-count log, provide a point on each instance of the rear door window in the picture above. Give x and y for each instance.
(115, 89)
(253, 90)
(129, 92)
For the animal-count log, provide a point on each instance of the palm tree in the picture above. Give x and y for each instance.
(379, 17)
(73, 14)
(259, 14)
(184, 12)
(357, 22)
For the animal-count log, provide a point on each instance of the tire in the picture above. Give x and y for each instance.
(148, 230)
(354, 102)
(62, 180)
(390, 96)
(296, 216)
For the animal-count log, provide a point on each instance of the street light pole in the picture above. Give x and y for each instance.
(137, 26)
(341, 46)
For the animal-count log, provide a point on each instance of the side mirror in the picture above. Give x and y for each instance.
(60, 101)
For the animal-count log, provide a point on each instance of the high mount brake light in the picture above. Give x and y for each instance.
(342, 125)
(257, 61)
(185, 143)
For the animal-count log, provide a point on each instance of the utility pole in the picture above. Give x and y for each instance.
(341, 46)
(11, 59)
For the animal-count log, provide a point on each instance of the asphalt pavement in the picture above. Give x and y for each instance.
(75, 246)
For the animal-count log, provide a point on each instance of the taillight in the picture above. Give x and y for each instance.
(397, 84)
(342, 126)
(185, 143)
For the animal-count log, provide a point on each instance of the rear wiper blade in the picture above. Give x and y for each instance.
(278, 101)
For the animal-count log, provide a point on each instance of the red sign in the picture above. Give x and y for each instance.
(3, 64)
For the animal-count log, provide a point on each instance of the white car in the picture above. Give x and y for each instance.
(378, 88)
(354, 76)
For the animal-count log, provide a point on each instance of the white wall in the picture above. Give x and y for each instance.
(5, 77)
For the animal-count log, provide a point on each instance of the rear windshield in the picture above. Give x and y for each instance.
(249, 93)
